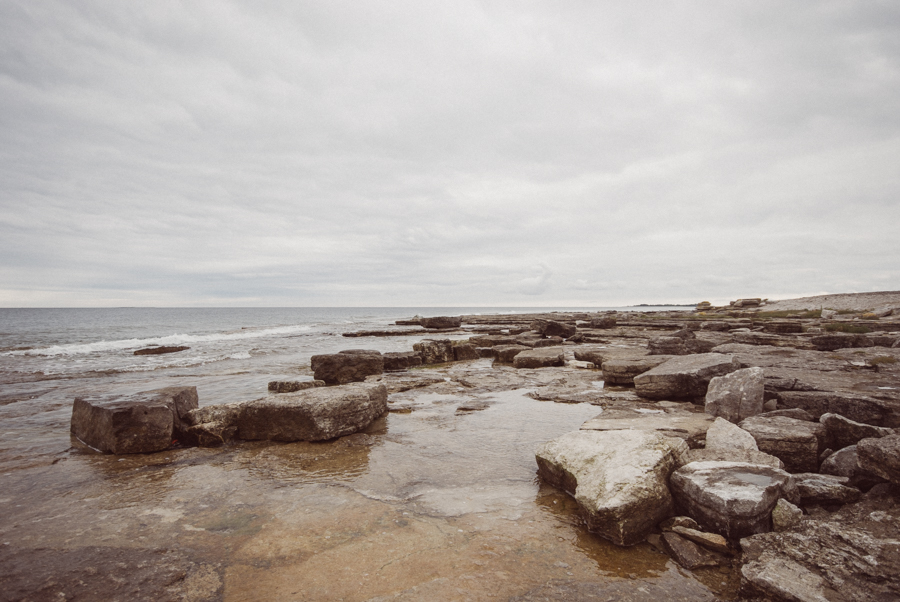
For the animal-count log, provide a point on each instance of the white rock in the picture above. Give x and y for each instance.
(725, 435)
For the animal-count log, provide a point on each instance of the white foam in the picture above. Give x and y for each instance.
(174, 339)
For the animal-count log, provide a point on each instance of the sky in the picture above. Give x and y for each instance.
(416, 153)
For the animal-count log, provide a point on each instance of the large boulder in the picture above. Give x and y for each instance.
(843, 432)
(723, 434)
(351, 365)
(543, 357)
(395, 361)
(214, 425)
(507, 353)
(618, 478)
(440, 322)
(435, 351)
(733, 499)
(747, 456)
(690, 426)
(313, 414)
(465, 351)
(826, 489)
(858, 408)
(128, 424)
(622, 371)
(881, 457)
(684, 377)
(737, 395)
(797, 443)
(845, 463)
(553, 328)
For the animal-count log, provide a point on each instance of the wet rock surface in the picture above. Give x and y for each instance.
(352, 365)
(544, 357)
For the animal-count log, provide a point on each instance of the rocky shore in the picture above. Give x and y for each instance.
(761, 437)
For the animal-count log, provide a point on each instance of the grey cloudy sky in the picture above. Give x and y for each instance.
(455, 153)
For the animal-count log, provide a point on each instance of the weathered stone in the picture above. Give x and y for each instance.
(552, 328)
(161, 350)
(723, 434)
(795, 413)
(817, 488)
(783, 327)
(492, 340)
(548, 342)
(465, 351)
(784, 581)
(435, 351)
(747, 456)
(737, 395)
(733, 499)
(796, 442)
(715, 326)
(785, 516)
(214, 425)
(603, 322)
(690, 426)
(687, 553)
(180, 401)
(756, 338)
(351, 365)
(845, 463)
(685, 377)
(710, 541)
(622, 371)
(395, 361)
(684, 334)
(858, 408)
(840, 340)
(539, 358)
(678, 521)
(290, 386)
(591, 354)
(667, 345)
(123, 424)
(507, 353)
(440, 322)
(881, 457)
(843, 432)
(313, 414)
(618, 478)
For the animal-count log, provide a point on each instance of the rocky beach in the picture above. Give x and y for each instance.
(750, 451)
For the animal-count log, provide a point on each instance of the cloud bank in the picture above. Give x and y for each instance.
(417, 153)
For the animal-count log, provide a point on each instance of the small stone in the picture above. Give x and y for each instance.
(785, 515)
(687, 553)
(678, 521)
(771, 405)
(710, 541)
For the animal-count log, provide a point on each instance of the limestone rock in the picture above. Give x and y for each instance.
(737, 395)
(465, 351)
(352, 365)
(603, 322)
(214, 425)
(881, 457)
(783, 327)
(552, 328)
(591, 354)
(796, 442)
(678, 521)
(618, 478)
(733, 499)
(492, 340)
(544, 357)
(687, 553)
(722, 434)
(710, 541)
(313, 414)
(747, 456)
(840, 340)
(858, 408)
(817, 488)
(395, 361)
(440, 322)
(435, 351)
(785, 516)
(685, 377)
(290, 386)
(161, 350)
(795, 413)
(843, 432)
(690, 426)
(674, 345)
(784, 580)
(127, 424)
(622, 371)
(507, 353)
(845, 463)
(548, 342)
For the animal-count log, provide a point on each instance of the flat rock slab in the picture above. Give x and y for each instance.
(351, 365)
(684, 377)
(747, 456)
(618, 478)
(291, 386)
(859, 408)
(733, 499)
(440, 322)
(312, 415)
(797, 443)
(507, 353)
(826, 489)
(161, 350)
(621, 371)
(395, 361)
(553, 328)
(544, 357)
(435, 351)
(140, 423)
(690, 426)
(737, 395)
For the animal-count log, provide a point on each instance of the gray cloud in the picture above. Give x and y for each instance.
(405, 153)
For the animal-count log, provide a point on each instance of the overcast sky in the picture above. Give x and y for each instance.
(410, 153)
